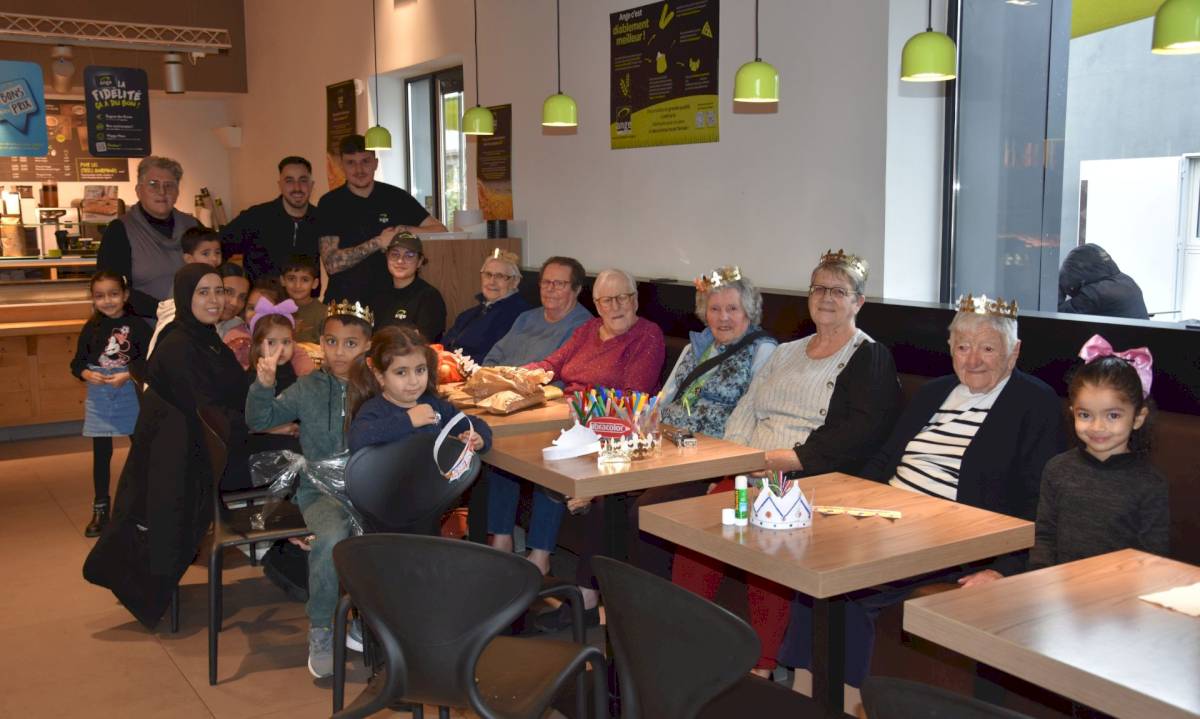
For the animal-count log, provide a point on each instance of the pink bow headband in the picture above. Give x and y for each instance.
(263, 307)
(1139, 357)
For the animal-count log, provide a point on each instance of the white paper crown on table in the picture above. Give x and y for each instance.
(574, 442)
(790, 511)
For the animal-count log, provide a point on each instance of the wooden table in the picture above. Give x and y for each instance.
(582, 477)
(839, 553)
(1079, 629)
(552, 416)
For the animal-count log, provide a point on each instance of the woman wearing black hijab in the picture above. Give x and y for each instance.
(163, 503)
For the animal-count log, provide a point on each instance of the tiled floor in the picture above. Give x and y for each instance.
(71, 651)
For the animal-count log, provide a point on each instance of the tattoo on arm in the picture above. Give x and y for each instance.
(336, 260)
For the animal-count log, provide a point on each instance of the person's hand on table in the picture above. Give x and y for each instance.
(783, 460)
(978, 579)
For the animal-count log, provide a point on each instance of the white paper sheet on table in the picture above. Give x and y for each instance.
(1181, 599)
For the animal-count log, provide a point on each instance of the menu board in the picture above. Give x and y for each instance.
(341, 120)
(22, 109)
(68, 159)
(664, 74)
(494, 167)
(118, 111)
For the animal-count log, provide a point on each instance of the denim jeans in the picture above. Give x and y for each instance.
(504, 490)
(327, 520)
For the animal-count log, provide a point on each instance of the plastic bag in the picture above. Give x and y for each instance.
(487, 381)
(278, 471)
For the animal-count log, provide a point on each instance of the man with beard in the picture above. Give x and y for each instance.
(359, 220)
(269, 235)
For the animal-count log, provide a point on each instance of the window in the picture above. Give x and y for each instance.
(436, 168)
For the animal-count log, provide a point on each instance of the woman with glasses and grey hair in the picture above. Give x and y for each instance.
(143, 244)
(823, 403)
(618, 349)
(478, 328)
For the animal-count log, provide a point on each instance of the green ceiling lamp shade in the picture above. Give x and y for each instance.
(559, 110)
(756, 81)
(929, 56)
(377, 137)
(1177, 28)
(478, 120)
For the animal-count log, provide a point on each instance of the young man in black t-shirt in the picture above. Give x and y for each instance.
(358, 221)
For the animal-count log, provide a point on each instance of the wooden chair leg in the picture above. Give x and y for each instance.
(215, 613)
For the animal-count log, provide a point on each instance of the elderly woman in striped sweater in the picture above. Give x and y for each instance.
(981, 437)
(820, 404)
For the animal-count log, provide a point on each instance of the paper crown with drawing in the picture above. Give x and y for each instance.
(787, 510)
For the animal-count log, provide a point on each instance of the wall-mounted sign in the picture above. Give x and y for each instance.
(341, 120)
(664, 74)
(494, 168)
(22, 110)
(67, 158)
(118, 111)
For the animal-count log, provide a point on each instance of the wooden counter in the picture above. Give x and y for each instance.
(454, 266)
(36, 384)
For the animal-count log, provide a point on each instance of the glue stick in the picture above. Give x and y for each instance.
(741, 509)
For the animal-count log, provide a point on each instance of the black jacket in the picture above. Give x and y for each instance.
(864, 404)
(1090, 283)
(132, 338)
(267, 237)
(1002, 468)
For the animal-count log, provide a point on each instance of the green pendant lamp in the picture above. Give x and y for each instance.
(377, 137)
(559, 110)
(756, 81)
(478, 120)
(1177, 28)
(929, 56)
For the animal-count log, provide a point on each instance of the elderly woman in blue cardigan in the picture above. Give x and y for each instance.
(477, 329)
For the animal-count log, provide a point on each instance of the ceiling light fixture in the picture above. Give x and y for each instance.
(559, 110)
(929, 56)
(1177, 28)
(377, 137)
(62, 70)
(756, 81)
(173, 73)
(478, 120)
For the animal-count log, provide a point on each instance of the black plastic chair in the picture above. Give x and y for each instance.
(232, 527)
(679, 656)
(889, 698)
(437, 608)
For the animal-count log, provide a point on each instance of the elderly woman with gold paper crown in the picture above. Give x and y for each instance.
(980, 436)
(478, 328)
(711, 375)
(820, 404)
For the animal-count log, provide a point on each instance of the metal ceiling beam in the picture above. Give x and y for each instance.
(16, 27)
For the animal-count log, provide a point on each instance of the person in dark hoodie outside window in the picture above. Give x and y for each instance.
(1090, 283)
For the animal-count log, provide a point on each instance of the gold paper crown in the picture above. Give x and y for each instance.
(505, 256)
(717, 278)
(344, 308)
(853, 262)
(984, 305)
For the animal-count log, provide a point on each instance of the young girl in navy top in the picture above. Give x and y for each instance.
(1104, 495)
(393, 394)
(111, 342)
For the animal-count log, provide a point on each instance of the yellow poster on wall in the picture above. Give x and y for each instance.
(664, 74)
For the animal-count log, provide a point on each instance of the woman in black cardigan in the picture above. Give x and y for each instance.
(981, 437)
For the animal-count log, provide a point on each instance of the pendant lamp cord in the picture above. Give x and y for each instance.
(477, 103)
(375, 57)
(558, 44)
(757, 57)
(929, 17)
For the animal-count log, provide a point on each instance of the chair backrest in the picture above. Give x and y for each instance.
(434, 604)
(675, 651)
(214, 425)
(396, 487)
(888, 698)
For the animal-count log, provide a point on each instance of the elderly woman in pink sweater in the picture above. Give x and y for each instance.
(618, 349)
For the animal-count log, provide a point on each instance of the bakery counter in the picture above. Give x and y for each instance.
(37, 342)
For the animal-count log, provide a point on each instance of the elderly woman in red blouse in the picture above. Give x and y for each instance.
(618, 349)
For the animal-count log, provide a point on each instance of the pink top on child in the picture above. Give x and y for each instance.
(632, 360)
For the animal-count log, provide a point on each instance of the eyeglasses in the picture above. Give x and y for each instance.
(494, 275)
(401, 255)
(554, 284)
(162, 187)
(839, 293)
(617, 300)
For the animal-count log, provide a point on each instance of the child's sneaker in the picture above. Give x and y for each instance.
(99, 519)
(320, 651)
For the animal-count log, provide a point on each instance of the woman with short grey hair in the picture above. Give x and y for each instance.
(144, 244)
(477, 329)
